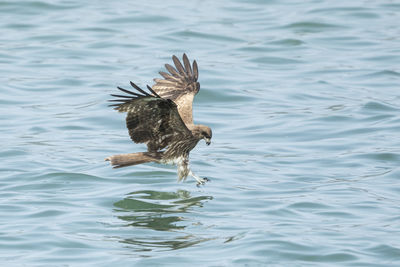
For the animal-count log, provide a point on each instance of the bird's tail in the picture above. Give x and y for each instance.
(124, 160)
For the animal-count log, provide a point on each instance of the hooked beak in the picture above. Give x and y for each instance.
(208, 141)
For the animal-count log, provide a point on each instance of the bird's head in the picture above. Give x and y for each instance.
(203, 132)
(207, 135)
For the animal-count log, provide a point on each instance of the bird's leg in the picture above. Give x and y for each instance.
(200, 181)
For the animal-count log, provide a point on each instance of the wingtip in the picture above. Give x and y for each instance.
(127, 91)
(195, 70)
(153, 92)
(188, 67)
(138, 88)
(133, 84)
(178, 65)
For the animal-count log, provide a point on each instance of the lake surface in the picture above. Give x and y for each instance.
(304, 101)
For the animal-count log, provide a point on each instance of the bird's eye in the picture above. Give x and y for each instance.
(205, 135)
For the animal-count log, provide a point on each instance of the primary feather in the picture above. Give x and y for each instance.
(180, 85)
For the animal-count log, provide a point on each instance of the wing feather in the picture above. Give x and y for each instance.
(172, 70)
(178, 65)
(128, 92)
(195, 70)
(151, 119)
(188, 68)
(180, 85)
(139, 89)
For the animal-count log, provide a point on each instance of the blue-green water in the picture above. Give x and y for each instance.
(303, 99)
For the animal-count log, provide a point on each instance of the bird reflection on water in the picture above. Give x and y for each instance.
(159, 211)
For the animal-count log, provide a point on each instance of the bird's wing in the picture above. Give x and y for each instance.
(180, 85)
(151, 119)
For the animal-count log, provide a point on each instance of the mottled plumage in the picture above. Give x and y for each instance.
(162, 119)
(180, 85)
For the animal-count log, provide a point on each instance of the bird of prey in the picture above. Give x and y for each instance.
(162, 119)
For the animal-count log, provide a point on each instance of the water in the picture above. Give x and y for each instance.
(303, 99)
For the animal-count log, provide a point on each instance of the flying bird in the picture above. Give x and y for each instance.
(162, 119)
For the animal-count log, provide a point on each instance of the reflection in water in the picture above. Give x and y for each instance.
(177, 243)
(160, 211)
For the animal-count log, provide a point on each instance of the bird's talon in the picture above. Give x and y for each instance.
(202, 181)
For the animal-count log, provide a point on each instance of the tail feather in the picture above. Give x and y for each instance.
(124, 160)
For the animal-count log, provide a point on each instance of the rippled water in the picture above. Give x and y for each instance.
(303, 99)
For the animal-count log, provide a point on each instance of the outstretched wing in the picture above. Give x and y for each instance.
(151, 119)
(180, 85)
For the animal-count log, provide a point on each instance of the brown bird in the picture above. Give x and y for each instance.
(162, 119)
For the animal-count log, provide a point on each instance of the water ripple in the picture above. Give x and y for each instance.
(303, 101)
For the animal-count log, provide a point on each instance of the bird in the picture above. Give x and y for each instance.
(162, 118)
